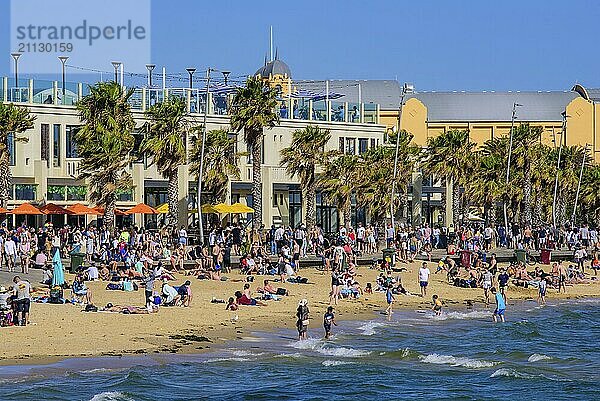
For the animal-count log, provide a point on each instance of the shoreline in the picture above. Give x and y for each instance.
(63, 332)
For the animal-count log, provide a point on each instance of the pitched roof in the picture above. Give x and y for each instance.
(494, 106)
(386, 93)
(275, 67)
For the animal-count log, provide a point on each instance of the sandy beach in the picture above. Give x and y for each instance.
(62, 331)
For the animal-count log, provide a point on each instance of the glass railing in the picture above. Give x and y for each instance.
(319, 111)
(43, 92)
(370, 113)
(338, 111)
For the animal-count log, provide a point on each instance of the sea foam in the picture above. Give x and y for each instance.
(368, 329)
(111, 396)
(538, 357)
(329, 362)
(456, 361)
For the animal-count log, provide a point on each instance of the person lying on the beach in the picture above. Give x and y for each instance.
(242, 299)
(125, 309)
(267, 288)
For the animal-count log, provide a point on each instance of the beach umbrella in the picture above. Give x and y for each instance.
(80, 209)
(26, 209)
(163, 209)
(222, 208)
(141, 208)
(3, 210)
(239, 208)
(58, 277)
(51, 208)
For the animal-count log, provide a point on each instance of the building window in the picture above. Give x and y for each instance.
(326, 215)
(363, 145)
(45, 142)
(295, 199)
(71, 144)
(56, 192)
(56, 146)
(126, 195)
(76, 193)
(25, 192)
(10, 144)
(350, 146)
(155, 196)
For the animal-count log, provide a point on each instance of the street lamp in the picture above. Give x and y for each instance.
(562, 140)
(510, 145)
(191, 71)
(406, 88)
(225, 76)
(150, 68)
(16, 56)
(63, 60)
(201, 172)
(116, 65)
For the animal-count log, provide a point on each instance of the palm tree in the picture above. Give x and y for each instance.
(525, 139)
(568, 178)
(590, 193)
(449, 155)
(13, 120)
(340, 180)
(165, 146)
(379, 163)
(104, 143)
(302, 158)
(221, 162)
(253, 109)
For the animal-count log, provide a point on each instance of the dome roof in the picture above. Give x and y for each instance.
(275, 67)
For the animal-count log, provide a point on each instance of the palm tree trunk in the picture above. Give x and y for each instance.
(310, 206)
(347, 212)
(256, 185)
(526, 194)
(5, 180)
(455, 202)
(173, 199)
(109, 213)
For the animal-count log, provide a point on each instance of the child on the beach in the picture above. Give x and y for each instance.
(390, 300)
(231, 305)
(437, 305)
(328, 320)
(500, 305)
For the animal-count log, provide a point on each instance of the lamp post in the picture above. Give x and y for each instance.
(585, 150)
(63, 60)
(225, 76)
(191, 71)
(405, 89)
(201, 172)
(150, 68)
(510, 145)
(16, 56)
(562, 138)
(116, 65)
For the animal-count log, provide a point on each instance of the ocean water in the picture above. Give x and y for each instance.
(541, 353)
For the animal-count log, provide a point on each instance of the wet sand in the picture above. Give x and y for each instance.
(64, 331)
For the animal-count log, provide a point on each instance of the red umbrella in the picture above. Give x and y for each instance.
(51, 208)
(141, 208)
(26, 208)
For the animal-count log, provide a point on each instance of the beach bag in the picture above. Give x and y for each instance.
(281, 291)
(91, 308)
(157, 300)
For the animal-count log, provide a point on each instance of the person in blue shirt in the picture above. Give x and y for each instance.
(500, 306)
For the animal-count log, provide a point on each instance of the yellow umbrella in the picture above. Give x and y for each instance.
(240, 208)
(222, 208)
(207, 208)
(163, 209)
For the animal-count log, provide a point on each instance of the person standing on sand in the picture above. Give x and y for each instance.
(562, 278)
(424, 278)
(22, 297)
(389, 297)
(500, 306)
(302, 315)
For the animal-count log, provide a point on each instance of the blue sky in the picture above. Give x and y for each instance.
(437, 45)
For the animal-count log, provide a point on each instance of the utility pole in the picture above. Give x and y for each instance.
(562, 139)
(585, 151)
(510, 145)
(200, 173)
(405, 88)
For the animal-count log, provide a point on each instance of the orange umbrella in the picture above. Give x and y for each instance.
(51, 208)
(100, 210)
(26, 208)
(3, 210)
(141, 208)
(80, 209)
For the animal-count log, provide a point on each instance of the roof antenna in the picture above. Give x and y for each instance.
(271, 43)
